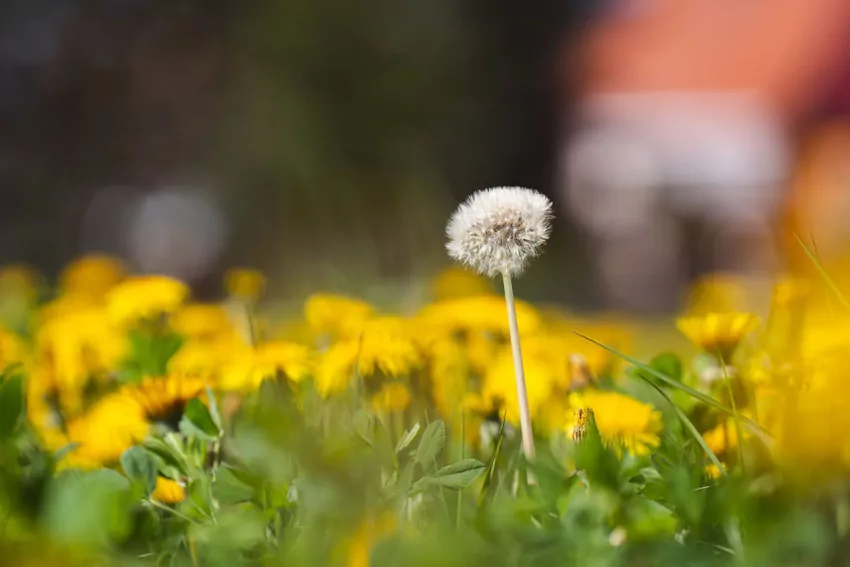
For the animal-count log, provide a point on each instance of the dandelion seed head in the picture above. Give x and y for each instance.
(499, 230)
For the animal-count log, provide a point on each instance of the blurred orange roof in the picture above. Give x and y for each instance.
(786, 50)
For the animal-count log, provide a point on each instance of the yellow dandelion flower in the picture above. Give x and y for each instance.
(250, 367)
(500, 384)
(790, 290)
(168, 491)
(244, 283)
(448, 368)
(623, 422)
(110, 427)
(722, 438)
(204, 359)
(392, 397)
(76, 348)
(718, 333)
(66, 304)
(712, 472)
(715, 293)
(143, 297)
(385, 346)
(481, 350)
(12, 349)
(92, 275)
(479, 313)
(455, 282)
(336, 315)
(369, 533)
(202, 322)
(163, 399)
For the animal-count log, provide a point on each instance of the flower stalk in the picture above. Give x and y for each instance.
(519, 372)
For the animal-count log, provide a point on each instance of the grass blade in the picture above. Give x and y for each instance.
(491, 470)
(757, 429)
(689, 426)
(826, 278)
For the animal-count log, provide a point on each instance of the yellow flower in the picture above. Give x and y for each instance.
(64, 305)
(789, 290)
(717, 292)
(244, 283)
(455, 282)
(385, 347)
(250, 367)
(76, 348)
(481, 350)
(448, 368)
(623, 422)
(718, 333)
(812, 430)
(202, 322)
(500, 384)
(143, 297)
(110, 427)
(392, 397)
(92, 275)
(370, 532)
(479, 313)
(712, 472)
(163, 400)
(204, 359)
(723, 438)
(168, 491)
(12, 349)
(336, 315)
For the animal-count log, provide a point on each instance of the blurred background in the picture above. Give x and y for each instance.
(327, 143)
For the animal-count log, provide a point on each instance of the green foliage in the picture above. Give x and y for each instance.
(11, 404)
(282, 482)
(140, 468)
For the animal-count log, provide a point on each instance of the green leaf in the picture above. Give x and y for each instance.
(169, 455)
(432, 442)
(213, 408)
(228, 489)
(457, 475)
(198, 415)
(754, 427)
(140, 467)
(364, 424)
(88, 508)
(668, 364)
(407, 438)
(11, 405)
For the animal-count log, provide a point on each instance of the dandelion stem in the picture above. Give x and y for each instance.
(522, 396)
(459, 516)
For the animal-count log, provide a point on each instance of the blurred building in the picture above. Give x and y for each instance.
(686, 136)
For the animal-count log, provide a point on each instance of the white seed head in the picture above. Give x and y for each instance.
(499, 230)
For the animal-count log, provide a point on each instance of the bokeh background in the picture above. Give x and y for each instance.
(327, 143)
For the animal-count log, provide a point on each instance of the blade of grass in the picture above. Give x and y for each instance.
(739, 433)
(817, 255)
(689, 426)
(826, 278)
(491, 469)
(757, 429)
